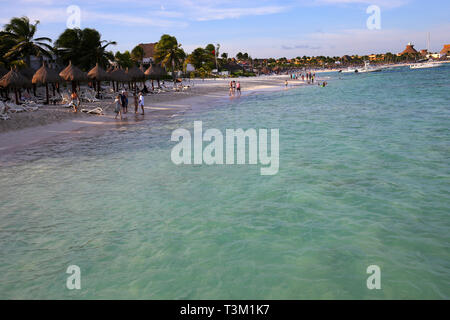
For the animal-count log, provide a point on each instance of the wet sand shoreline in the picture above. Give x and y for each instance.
(62, 122)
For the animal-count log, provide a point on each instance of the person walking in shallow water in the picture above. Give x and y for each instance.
(238, 87)
(118, 107)
(75, 101)
(141, 102)
(124, 98)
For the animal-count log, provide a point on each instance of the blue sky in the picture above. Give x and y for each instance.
(263, 28)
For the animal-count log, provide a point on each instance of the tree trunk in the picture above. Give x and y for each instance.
(17, 96)
(46, 92)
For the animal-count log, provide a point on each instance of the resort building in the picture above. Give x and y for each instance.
(149, 52)
(408, 50)
(445, 52)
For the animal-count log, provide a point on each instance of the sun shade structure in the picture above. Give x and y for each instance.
(98, 74)
(14, 79)
(45, 75)
(73, 74)
(27, 72)
(136, 74)
(119, 75)
(155, 71)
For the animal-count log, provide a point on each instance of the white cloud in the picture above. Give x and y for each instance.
(205, 14)
(381, 3)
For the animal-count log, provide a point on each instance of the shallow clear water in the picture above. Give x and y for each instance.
(364, 179)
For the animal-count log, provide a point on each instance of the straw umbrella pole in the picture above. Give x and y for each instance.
(14, 79)
(119, 75)
(73, 74)
(136, 74)
(155, 72)
(45, 76)
(28, 73)
(98, 74)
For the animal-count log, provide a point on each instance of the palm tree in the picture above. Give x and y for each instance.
(19, 32)
(84, 48)
(169, 53)
(137, 54)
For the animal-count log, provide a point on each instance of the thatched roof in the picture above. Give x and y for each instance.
(135, 73)
(14, 79)
(97, 73)
(118, 74)
(446, 49)
(72, 73)
(155, 71)
(409, 49)
(149, 49)
(27, 72)
(46, 75)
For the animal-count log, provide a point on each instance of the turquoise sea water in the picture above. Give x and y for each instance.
(363, 180)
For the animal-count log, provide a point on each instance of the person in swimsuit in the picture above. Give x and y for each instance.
(75, 101)
(238, 87)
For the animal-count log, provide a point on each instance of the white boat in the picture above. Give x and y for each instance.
(367, 68)
(350, 70)
(425, 65)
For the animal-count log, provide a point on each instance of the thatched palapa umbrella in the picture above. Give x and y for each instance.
(119, 75)
(73, 74)
(27, 72)
(98, 74)
(45, 76)
(136, 74)
(155, 72)
(14, 79)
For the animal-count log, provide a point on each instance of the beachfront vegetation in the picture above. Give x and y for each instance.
(85, 48)
(137, 54)
(18, 42)
(124, 60)
(169, 54)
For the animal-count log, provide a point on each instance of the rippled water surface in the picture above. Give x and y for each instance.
(364, 179)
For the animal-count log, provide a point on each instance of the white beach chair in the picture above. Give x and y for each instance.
(97, 111)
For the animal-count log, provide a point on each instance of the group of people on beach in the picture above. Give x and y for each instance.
(235, 88)
(310, 77)
(121, 103)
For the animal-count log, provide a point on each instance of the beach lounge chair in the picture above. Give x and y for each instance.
(3, 111)
(13, 108)
(98, 111)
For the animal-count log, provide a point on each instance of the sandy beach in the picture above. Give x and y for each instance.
(52, 121)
